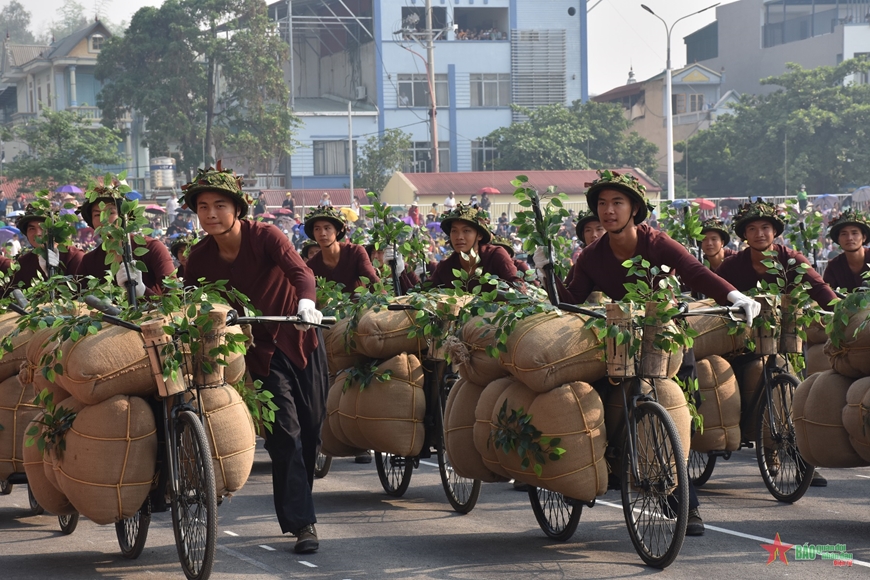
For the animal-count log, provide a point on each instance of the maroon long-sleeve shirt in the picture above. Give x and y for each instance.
(838, 274)
(28, 264)
(493, 260)
(270, 272)
(597, 268)
(158, 260)
(353, 263)
(738, 270)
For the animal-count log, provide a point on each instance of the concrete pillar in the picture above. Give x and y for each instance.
(73, 101)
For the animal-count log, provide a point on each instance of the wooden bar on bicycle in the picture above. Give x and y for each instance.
(766, 341)
(619, 364)
(203, 377)
(155, 340)
(653, 360)
(789, 341)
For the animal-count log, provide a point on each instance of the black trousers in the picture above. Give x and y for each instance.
(689, 370)
(300, 395)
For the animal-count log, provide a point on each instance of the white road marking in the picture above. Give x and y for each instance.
(865, 476)
(428, 463)
(250, 561)
(270, 548)
(229, 533)
(309, 564)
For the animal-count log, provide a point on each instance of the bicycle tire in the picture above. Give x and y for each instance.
(656, 526)
(35, 508)
(5, 487)
(700, 467)
(68, 523)
(785, 473)
(194, 502)
(322, 465)
(461, 492)
(394, 473)
(133, 532)
(557, 517)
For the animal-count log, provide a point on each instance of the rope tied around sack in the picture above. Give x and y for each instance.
(457, 350)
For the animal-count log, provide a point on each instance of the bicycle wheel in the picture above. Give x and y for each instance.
(656, 505)
(785, 473)
(194, 500)
(132, 532)
(68, 523)
(5, 487)
(700, 467)
(37, 509)
(394, 473)
(557, 516)
(462, 492)
(322, 465)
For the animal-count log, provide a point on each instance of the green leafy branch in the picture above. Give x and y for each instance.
(683, 224)
(55, 422)
(515, 432)
(364, 373)
(692, 393)
(259, 402)
(538, 235)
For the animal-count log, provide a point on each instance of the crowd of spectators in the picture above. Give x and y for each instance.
(481, 34)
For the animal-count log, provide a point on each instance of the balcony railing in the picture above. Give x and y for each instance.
(22, 118)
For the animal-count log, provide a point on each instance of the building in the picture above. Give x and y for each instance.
(60, 76)
(754, 39)
(488, 54)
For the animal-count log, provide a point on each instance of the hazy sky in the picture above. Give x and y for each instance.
(621, 33)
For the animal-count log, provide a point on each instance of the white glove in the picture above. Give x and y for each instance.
(308, 312)
(419, 270)
(121, 279)
(390, 254)
(540, 258)
(53, 261)
(750, 307)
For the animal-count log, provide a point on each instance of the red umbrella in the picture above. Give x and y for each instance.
(284, 211)
(705, 203)
(488, 191)
(154, 209)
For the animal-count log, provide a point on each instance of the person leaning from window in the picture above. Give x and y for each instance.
(851, 231)
(32, 262)
(619, 201)
(257, 259)
(716, 237)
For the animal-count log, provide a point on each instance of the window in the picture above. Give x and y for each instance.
(490, 90)
(483, 155)
(330, 157)
(678, 104)
(97, 42)
(696, 103)
(414, 90)
(420, 156)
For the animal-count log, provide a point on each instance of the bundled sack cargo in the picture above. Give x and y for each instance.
(334, 441)
(474, 364)
(459, 432)
(31, 371)
(573, 413)
(383, 333)
(10, 362)
(856, 416)
(713, 333)
(550, 349)
(340, 354)
(817, 411)
(850, 357)
(483, 413)
(17, 410)
(720, 406)
(229, 429)
(109, 461)
(387, 416)
(816, 359)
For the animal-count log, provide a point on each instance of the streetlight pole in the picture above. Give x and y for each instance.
(669, 107)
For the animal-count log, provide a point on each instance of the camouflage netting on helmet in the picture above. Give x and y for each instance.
(477, 217)
(757, 210)
(850, 217)
(220, 180)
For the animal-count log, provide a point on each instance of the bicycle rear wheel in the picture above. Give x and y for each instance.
(462, 492)
(5, 487)
(194, 499)
(556, 515)
(700, 467)
(656, 505)
(37, 509)
(785, 473)
(132, 532)
(394, 473)
(322, 465)
(69, 523)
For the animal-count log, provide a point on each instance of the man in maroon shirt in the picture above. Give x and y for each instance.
(716, 237)
(588, 229)
(851, 231)
(103, 211)
(32, 262)
(337, 261)
(179, 251)
(258, 260)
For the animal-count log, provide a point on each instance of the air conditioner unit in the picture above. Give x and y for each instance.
(359, 93)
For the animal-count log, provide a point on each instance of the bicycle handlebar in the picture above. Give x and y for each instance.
(579, 310)
(234, 318)
(21, 303)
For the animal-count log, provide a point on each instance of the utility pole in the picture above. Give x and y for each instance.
(430, 71)
(350, 146)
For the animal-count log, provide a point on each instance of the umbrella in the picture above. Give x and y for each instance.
(267, 216)
(12, 229)
(16, 213)
(731, 202)
(154, 209)
(409, 220)
(488, 191)
(131, 195)
(68, 188)
(349, 214)
(285, 211)
(680, 203)
(861, 194)
(826, 201)
(434, 225)
(705, 204)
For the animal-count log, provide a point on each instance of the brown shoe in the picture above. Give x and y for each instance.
(306, 540)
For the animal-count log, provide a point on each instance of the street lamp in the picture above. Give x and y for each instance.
(669, 108)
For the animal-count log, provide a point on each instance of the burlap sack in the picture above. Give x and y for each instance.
(816, 359)
(112, 362)
(516, 395)
(10, 362)
(547, 350)
(339, 354)
(229, 429)
(720, 406)
(347, 412)
(31, 372)
(46, 494)
(713, 337)
(817, 412)
(109, 461)
(459, 432)
(49, 457)
(852, 357)
(16, 412)
(816, 333)
(575, 414)
(856, 415)
(333, 441)
(483, 413)
(477, 366)
(390, 414)
(383, 334)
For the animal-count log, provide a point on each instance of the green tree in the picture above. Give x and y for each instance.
(15, 20)
(72, 17)
(611, 142)
(64, 148)
(379, 157)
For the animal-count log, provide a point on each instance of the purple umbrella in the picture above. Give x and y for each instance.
(68, 188)
(409, 220)
(434, 225)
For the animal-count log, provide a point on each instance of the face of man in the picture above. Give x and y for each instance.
(34, 230)
(97, 211)
(592, 230)
(851, 239)
(464, 237)
(324, 233)
(182, 256)
(712, 244)
(759, 235)
(378, 256)
(216, 212)
(615, 209)
(312, 251)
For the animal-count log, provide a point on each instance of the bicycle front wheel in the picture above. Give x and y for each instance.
(785, 473)
(194, 497)
(557, 516)
(68, 523)
(133, 532)
(700, 467)
(655, 501)
(394, 473)
(322, 465)
(461, 492)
